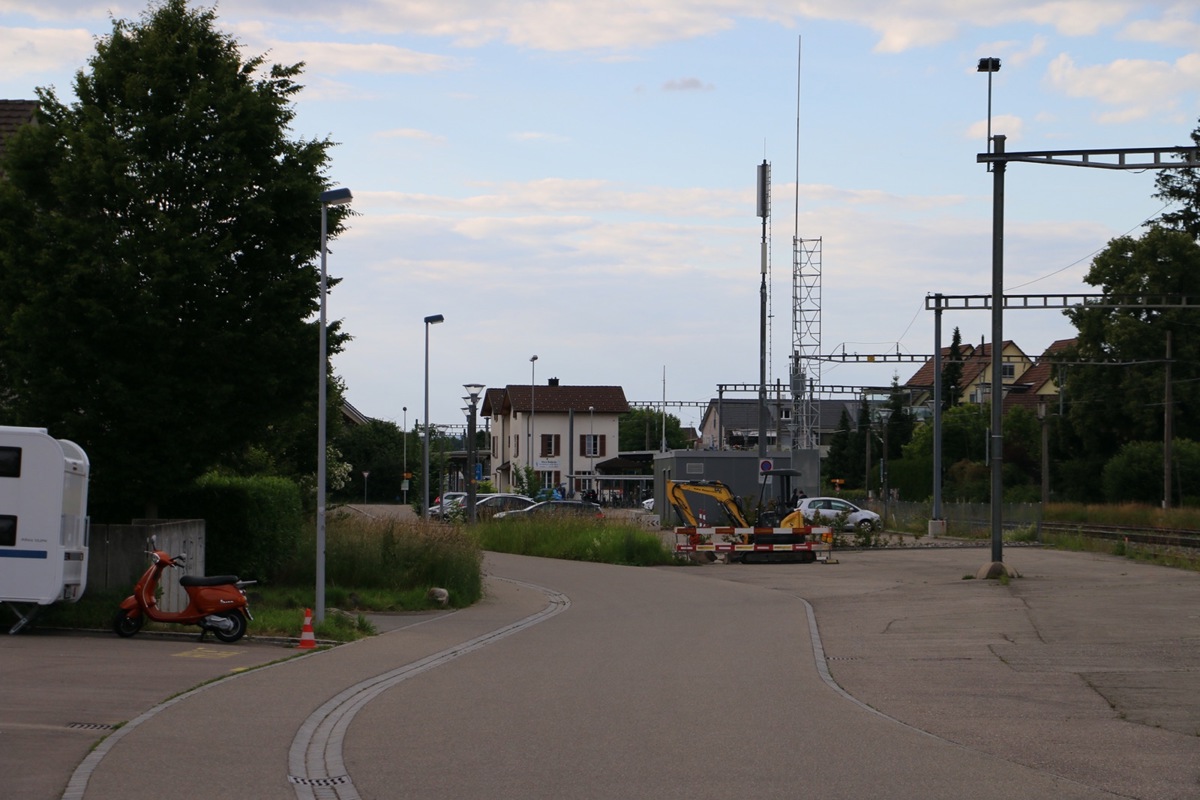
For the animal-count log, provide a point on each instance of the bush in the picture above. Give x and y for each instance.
(1135, 473)
(251, 524)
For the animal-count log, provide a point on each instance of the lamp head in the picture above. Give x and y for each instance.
(434, 319)
(988, 65)
(336, 197)
(473, 389)
(532, 359)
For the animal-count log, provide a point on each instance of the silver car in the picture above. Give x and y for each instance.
(826, 510)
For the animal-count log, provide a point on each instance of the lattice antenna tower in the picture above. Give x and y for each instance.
(806, 316)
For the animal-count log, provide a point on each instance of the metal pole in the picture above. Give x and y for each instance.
(433, 319)
(938, 390)
(404, 478)
(532, 406)
(322, 379)
(997, 440)
(471, 462)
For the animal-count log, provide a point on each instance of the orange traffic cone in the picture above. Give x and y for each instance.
(308, 641)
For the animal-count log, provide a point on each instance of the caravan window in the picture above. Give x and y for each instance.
(8, 530)
(10, 462)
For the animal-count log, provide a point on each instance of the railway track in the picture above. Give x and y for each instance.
(1162, 537)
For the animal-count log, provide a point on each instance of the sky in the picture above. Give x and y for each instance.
(576, 179)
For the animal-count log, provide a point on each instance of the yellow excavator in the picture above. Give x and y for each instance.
(795, 542)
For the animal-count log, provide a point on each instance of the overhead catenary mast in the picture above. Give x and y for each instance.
(806, 317)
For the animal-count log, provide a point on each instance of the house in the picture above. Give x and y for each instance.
(14, 114)
(1040, 383)
(732, 424)
(975, 385)
(564, 433)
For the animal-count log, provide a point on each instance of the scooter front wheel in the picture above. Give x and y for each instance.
(125, 625)
(237, 631)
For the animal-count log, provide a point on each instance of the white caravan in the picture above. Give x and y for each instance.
(43, 520)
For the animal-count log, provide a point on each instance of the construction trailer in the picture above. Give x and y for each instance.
(43, 521)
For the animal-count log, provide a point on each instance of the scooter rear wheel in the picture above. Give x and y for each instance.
(236, 632)
(125, 625)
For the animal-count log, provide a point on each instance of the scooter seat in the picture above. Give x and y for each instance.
(211, 580)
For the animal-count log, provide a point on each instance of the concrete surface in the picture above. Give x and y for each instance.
(1079, 679)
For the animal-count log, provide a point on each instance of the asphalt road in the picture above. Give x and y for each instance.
(1079, 680)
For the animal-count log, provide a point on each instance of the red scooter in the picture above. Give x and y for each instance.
(216, 603)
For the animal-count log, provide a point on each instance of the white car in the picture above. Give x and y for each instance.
(826, 510)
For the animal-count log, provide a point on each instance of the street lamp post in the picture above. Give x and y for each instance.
(330, 197)
(404, 477)
(591, 447)
(532, 406)
(884, 415)
(432, 319)
(365, 476)
(473, 390)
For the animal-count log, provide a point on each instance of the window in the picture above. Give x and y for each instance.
(591, 445)
(1008, 371)
(10, 462)
(8, 530)
(550, 445)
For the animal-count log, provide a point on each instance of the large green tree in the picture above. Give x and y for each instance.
(1182, 186)
(1112, 405)
(157, 253)
(642, 429)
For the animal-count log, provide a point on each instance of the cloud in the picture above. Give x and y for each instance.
(1010, 125)
(411, 133)
(335, 57)
(687, 85)
(1177, 27)
(1138, 88)
(30, 51)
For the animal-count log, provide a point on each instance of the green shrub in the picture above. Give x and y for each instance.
(250, 524)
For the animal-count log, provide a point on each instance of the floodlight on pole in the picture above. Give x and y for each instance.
(330, 197)
(432, 319)
(989, 65)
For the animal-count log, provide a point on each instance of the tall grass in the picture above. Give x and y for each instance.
(574, 540)
(1137, 515)
(389, 556)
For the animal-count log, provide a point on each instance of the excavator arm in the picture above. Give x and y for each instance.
(677, 496)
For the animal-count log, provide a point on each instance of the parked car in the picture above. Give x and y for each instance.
(574, 508)
(826, 510)
(489, 505)
(446, 504)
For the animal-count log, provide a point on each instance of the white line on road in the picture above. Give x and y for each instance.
(315, 764)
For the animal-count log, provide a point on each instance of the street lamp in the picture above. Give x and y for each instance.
(473, 390)
(404, 478)
(330, 197)
(989, 65)
(532, 407)
(884, 415)
(433, 319)
(591, 447)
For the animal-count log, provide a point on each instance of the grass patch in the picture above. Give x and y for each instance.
(370, 565)
(575, 540)
(1133, 515)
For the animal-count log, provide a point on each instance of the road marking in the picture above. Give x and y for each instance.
(206, 652)
(315, 764)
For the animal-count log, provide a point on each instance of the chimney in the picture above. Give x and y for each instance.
(553, 382)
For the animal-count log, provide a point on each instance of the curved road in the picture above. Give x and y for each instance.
(575, 680)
